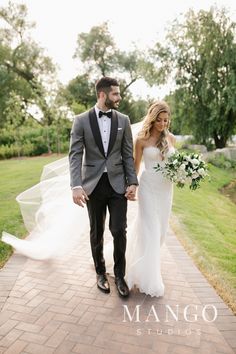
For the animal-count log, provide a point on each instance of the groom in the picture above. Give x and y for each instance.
(103, 176)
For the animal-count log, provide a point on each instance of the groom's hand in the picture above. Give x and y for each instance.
(79, 196)
(131, 192)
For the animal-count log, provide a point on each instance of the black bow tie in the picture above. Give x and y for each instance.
(108, 114)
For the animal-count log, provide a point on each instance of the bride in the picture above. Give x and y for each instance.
(53, 220)
(154, 143)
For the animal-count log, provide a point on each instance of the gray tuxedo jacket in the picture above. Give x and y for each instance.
(87, 157)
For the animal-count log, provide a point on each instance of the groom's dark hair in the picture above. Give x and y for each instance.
(104, 84)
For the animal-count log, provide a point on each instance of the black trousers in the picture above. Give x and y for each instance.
(103, 197)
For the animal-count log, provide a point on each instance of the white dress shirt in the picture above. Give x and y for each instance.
(104, 124)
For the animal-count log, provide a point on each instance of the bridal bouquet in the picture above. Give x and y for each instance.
(182, 169)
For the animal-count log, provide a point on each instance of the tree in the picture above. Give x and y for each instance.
(100, 56)
(24, 69)
(16, 115)
(202, 50)
(96, 49)
(81, 90)
(179, 124)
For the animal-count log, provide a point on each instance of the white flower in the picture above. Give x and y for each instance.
(187, 158)
(195, 175)
(195, 162)
(182, 166)
(189, 180)
(181, 173)
(182, 180)
(202, 172)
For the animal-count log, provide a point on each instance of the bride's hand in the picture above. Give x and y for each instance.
(131, 198)
(131, 192)
(79, 196)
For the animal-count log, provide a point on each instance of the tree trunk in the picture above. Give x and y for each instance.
(220, 141)
(58, 140)
(128, 85)
(48, 141)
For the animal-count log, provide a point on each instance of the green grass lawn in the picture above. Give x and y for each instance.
(206, 226)
(16, 175)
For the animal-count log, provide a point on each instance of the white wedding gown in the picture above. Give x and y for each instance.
(149, 229)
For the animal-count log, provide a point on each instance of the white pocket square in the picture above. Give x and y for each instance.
(119, 128)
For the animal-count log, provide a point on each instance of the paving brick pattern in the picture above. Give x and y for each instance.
(55, 307)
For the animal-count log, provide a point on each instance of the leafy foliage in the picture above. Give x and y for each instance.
(202, 50)
(25, 70)
(99, 55)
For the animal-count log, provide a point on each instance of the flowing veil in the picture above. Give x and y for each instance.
(55, 224)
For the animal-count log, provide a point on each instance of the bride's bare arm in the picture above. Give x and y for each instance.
(138, 153)
(172, 139)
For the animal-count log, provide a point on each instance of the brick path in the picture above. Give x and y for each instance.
(57, 308)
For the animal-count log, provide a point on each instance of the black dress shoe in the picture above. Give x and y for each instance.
(102, 283)
(122, 287)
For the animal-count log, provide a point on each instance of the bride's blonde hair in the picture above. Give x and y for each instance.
(148, 121)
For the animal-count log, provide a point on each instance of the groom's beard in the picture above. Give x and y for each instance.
(111, 104)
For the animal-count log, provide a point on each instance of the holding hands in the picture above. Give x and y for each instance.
(79, 196)
(131, 192)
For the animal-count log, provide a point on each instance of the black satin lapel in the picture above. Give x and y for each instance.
(95, 129)
(114, 128)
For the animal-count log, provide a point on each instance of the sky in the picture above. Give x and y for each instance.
(58, 23)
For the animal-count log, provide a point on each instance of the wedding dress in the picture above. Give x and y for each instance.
(147, 234)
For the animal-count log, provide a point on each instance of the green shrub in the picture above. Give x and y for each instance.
(8, 151)
(221, 161)
(14, 150)
(34, 140)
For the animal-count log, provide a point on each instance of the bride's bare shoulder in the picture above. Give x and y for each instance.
(139, 142)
